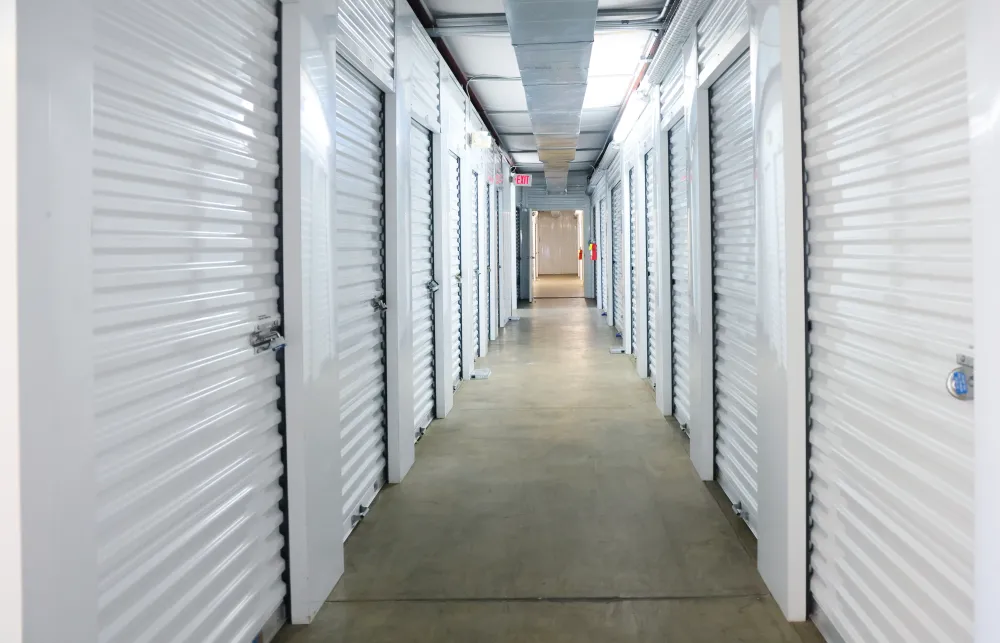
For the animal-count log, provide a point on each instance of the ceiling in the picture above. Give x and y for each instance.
(615, 58)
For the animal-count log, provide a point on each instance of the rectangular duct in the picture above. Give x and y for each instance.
(553, 40)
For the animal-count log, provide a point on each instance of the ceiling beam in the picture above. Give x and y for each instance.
(496, 23)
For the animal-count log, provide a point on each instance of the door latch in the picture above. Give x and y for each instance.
(266, 335)
(433, 286)
(961, 381)
(378, 303)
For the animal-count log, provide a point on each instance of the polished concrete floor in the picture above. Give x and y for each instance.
(558, 286)
(554, 504)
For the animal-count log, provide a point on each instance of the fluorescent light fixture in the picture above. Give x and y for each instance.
(480, 140)
(633, 110)
(605, 91)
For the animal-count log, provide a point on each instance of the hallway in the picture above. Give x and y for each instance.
(554, 504)
(558, 287)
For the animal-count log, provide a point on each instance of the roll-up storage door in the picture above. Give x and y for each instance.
(617, 274)
(891, 453)
(360, 283)
(186, 412)
(498, 249)
(735, 288)
(422, 281)
(477, 275)
(649, 170)
(489, 259)
(680, 271)
(455, 239)
(631, 259)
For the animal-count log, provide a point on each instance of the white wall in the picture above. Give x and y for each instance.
(983, 20)
(558, 239)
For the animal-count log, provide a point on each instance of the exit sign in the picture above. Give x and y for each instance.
(522, 179)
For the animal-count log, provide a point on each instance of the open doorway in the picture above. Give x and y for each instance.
(558, 266)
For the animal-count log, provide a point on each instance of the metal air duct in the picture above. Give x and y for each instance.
(553, 40)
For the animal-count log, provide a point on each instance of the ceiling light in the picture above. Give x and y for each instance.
(633, 110)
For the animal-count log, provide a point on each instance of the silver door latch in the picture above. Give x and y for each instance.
(266, 335)
(378, 303)
(961, 381)
(433, 286)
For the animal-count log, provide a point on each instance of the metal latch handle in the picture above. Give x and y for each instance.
(433, 286)
(378, 303)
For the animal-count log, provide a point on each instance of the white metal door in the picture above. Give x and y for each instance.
(489, 259)
(455, 239)
(680, 271)
(360, 290)
(734, 274)
(631, 259)
(187, 421)
(617, 274)
(477, 276)
(422, 281)
(649, 170)
(891, 453)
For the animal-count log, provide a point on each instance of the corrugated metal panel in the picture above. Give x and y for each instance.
(649, 171)
(537, 199)
(890, 306)
(495, 284)
(672, 92)
(360, 283)
(366, 33)
(477, 276)
(599, 264)
(452, 92)
(188, 450)
(617, 274)
(455, 239)
(425, 80)
(422, 276)
(734, 272)
(680, 271)
(724, 22)
(631, 257)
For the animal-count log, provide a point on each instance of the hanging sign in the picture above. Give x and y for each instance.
(522, 180)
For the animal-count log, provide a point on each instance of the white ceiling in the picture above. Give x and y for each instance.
(615, 58)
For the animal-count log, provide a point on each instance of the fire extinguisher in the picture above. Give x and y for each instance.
(593, 252)
(580, 257)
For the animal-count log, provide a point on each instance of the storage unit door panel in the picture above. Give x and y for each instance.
(651, 226)
(680, 271)
(422, 276)
(617, 274)
(477, 276)
(455, 239)
(360, 251)
(488, 264)
(366, 30)
(631, 258)
(735, 287)
(186, 418)
(891, 453)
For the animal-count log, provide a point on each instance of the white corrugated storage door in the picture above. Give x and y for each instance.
(360, 283)
(734, 274)
(422, 284)
(680, 271)
(188, 443)
(617, 274)
(488, 264)
(649, 169)
(890, 306)
(632, 196)
(455, 239)
(477, 273)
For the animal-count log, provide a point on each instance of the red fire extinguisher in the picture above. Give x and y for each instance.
(580, 257)
(593, 252)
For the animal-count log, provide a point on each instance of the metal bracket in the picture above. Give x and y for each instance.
(378, 303)
(433, 286)
(266, 335)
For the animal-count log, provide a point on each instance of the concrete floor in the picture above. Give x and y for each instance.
(554, 504)
(558, 286)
